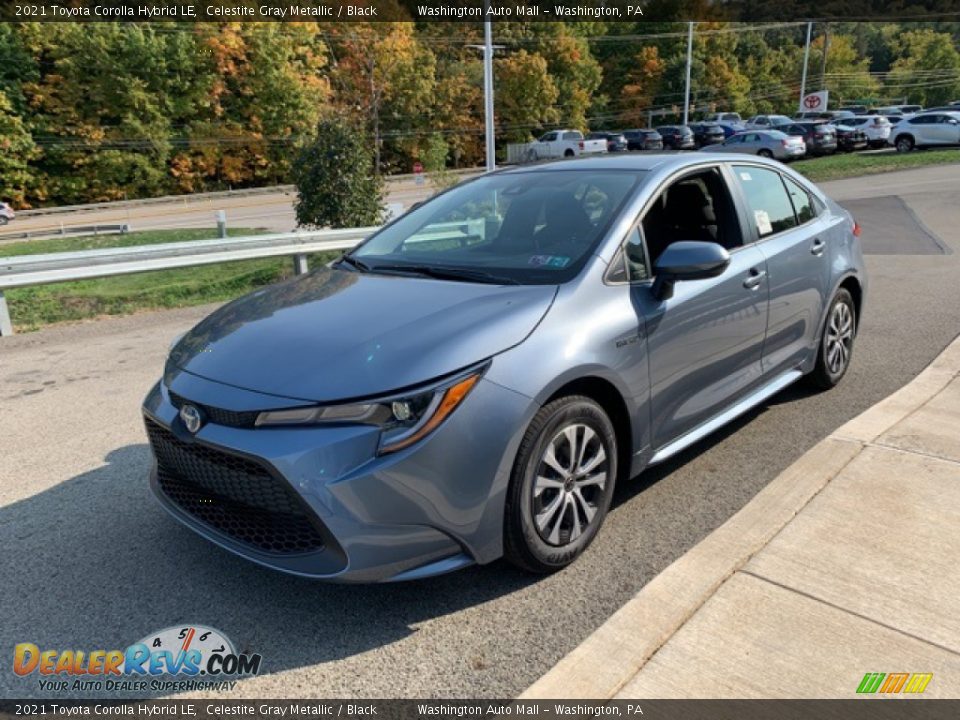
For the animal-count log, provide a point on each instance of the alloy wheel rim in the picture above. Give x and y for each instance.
(839, 338)
(569, 484)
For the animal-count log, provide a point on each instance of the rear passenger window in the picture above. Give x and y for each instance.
(802, 202)
(767, 201)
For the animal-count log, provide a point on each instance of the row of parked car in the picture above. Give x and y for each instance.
(778, 136)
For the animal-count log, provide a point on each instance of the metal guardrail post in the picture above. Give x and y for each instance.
(221, 223)
(300, 264)
(6, 326)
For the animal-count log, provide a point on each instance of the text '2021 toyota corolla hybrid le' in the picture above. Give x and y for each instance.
(472, 380)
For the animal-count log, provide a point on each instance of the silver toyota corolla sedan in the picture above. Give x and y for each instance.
(473, 380)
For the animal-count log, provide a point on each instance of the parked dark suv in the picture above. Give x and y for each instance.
(677, 137)
(643, 139)
(616, 142)
(820, 137)
(707, 133)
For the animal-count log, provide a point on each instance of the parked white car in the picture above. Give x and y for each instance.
(724, 118)
(563, 143)
(875, 127)
(926, 129)
(767, 122)
(6, 213)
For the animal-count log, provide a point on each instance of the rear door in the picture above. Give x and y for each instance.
(791, 229)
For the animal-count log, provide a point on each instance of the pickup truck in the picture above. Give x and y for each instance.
(563, 143)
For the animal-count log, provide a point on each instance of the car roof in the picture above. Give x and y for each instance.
(647, 162)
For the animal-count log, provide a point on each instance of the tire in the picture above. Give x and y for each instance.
(765, 153)
(537, 539)
(4, 220)
(568, 153)
(836, 342)
(904, 143)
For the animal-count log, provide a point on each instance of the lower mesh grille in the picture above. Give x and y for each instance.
(236, 496)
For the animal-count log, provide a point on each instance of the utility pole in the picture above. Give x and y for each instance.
(686, 96)
(823, 63)
(806, 59)
(488, 89)
(488, 47)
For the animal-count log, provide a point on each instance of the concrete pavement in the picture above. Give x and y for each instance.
(843, 565)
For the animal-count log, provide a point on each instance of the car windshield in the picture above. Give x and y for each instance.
(536, 227)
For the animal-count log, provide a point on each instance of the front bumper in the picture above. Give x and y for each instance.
(317, 501)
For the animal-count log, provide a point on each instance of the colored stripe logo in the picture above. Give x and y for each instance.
(892, 683)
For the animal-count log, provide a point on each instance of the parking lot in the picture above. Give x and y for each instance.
(90, 560)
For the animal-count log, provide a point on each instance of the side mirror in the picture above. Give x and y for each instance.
(687, 260)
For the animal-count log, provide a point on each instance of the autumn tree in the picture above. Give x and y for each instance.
(642, 83)
(526, 95)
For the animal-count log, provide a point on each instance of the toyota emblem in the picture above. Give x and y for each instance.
(191, 418)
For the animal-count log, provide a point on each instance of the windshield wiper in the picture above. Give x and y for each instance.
(448, 273)
(353, 262)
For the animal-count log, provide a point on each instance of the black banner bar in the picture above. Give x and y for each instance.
(472, 10)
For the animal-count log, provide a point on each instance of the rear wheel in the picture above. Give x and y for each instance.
(765, 153)
(568, 153)
(836, 343)
(904, 143)
(561, 485)
(4, 220)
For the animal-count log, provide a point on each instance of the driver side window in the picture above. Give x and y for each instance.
(695, 207)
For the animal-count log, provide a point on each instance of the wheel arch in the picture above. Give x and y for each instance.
(609, 397)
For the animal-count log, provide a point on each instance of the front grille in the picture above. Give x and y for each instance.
(219, 416)
(234, 495)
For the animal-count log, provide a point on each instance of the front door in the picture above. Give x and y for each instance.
(705, 342)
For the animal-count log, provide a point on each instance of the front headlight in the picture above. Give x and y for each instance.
(403, 419)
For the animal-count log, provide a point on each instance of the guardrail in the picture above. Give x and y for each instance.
(26, 270)
(75, 230)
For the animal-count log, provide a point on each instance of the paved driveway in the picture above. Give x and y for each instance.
(90, 561)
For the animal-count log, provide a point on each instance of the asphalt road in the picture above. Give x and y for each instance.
(270, 210)
(90, 561)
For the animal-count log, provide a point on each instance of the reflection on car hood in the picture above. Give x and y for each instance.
(337, 335)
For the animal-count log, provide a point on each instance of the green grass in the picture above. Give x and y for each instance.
(33, 307)
(835, 167)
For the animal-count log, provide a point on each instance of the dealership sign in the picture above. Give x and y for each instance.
(813, 102)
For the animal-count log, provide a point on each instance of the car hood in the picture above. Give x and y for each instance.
(338, 335)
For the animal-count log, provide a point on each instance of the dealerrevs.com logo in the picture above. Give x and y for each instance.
(176, 659)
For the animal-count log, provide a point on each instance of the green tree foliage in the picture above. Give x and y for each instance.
(17, 150)
(526, 95)
(336, 185)
(927, 67)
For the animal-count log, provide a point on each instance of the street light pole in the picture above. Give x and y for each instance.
(806, 59)
(686, 96)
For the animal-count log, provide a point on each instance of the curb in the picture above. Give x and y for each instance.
(602, 665)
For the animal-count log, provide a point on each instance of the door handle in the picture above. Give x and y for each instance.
(818, 247)
(756, 277)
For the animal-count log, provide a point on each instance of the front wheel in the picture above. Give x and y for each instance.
(904, 143)
(561, 485)
(836, 342)
(4, 220)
